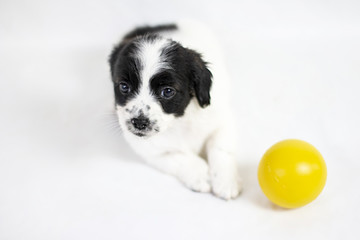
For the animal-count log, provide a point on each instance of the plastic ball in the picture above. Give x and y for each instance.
(292, 173)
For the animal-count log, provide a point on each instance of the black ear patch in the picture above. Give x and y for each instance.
(114, 56)
(201, 78)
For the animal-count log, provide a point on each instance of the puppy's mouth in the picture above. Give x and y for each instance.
(139, 133)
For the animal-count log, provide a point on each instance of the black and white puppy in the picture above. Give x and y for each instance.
(171, 94)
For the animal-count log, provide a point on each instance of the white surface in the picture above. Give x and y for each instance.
(66, 173)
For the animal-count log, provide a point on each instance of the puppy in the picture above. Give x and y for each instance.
(171, 94)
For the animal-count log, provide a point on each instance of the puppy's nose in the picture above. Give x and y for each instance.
(140, 123)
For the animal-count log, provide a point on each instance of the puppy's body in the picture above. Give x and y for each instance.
(186, 135)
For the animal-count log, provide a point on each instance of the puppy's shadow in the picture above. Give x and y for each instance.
(252, 191)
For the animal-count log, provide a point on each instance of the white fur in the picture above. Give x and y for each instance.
(182, 143)
(149, 55)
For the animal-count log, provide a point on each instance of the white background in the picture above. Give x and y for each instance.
(66, 172)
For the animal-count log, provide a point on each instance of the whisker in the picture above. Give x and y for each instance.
(110, 123)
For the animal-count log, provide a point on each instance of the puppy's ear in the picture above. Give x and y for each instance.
(200, 79)
(113, 56)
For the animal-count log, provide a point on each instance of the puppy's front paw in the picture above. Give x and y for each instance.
(197, 178)
(226, 183)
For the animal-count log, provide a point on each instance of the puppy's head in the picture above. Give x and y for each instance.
(154, 80)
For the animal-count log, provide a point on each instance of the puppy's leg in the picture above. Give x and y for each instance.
(224, 171)
(189, 168)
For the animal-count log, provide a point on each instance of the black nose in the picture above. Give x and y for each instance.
(140, 123)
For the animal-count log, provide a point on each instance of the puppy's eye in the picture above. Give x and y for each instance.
(124, 87)
(168, 93)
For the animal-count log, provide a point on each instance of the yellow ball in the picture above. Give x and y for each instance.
(292, 173)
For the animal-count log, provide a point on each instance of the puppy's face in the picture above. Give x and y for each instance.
(154, 81)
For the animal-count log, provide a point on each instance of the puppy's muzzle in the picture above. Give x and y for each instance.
(140, 123)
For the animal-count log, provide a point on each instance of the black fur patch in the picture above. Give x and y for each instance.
(146, 30)
(125, 68)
